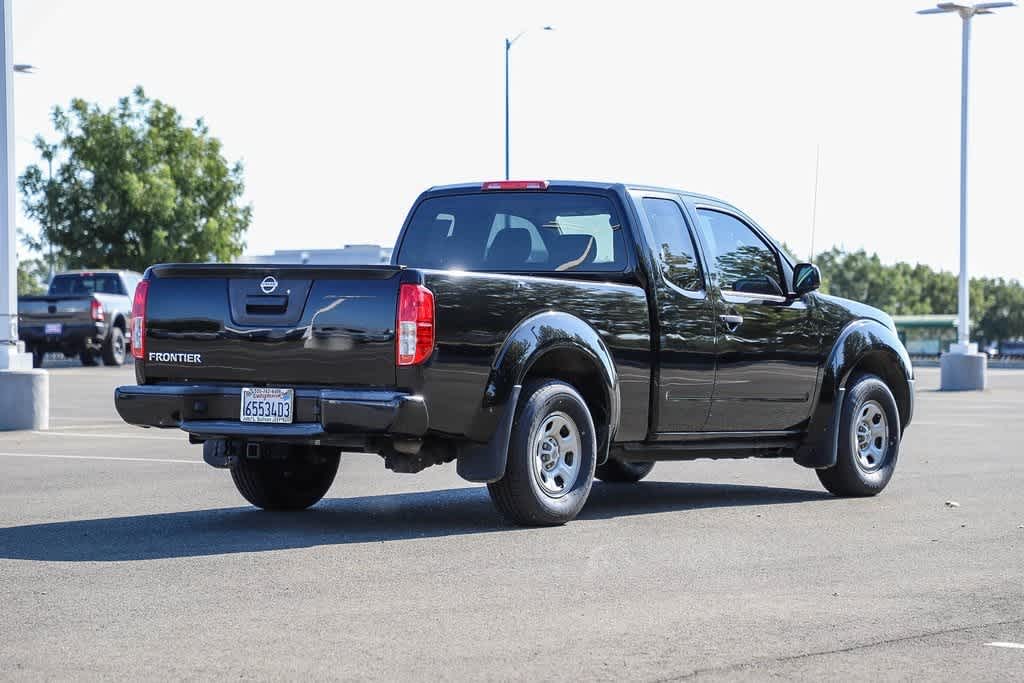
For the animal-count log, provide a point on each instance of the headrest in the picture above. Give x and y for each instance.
(511, 247)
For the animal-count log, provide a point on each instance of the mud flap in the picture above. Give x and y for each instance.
(485, 463)
(821, 450)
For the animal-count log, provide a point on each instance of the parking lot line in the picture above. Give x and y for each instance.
(86, 435)
(96, 457)
(100, 425)
(1012, 646)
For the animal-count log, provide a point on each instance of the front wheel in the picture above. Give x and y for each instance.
(869, 440)
(292, 483)
(551, 457)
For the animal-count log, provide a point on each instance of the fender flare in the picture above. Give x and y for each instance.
(530, 341)
(857, 340)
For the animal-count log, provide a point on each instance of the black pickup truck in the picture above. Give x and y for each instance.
(539, 334)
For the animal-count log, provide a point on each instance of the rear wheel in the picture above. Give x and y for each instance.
(551, 457)
(113, 347)
(37, 358)
(869, 440)
(617, 471)
(294, 482)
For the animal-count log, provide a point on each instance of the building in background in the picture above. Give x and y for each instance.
(351, 254)
(926, 335)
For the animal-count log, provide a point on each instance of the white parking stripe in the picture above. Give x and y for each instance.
(85, 435)
(96, 457)
(1012, 646)
(98, 425)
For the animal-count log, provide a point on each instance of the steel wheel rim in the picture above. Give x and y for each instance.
(870, 435)
(119, 348)
(555, 454)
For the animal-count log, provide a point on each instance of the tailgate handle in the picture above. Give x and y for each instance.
(266, 305)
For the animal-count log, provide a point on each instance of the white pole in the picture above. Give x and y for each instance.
(8, 251)
(963, 305)
(24, 392)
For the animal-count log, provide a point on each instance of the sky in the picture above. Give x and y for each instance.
(344, 112)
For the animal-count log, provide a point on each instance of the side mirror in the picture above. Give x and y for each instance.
(806, 278)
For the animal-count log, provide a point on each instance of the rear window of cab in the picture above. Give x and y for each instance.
(515, 232)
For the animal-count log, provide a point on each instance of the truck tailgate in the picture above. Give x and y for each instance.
(54, 309)
(291, 325)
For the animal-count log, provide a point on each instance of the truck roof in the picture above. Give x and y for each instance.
(101, 271)
(588, 185)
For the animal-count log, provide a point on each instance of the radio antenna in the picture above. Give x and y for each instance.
(814, 203)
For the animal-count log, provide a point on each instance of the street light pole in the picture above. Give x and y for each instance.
(24, 392)
(508, 47)
(964, 367)
(509, 42)
(963, 301)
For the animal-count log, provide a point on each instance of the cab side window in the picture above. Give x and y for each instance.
(739, 259)
(673, 243)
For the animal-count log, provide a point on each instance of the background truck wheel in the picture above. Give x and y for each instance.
(551, 457)
(869, 440)
(37, 358)
(113, 347)
(88, 358)
(292, 483)
(617, 471)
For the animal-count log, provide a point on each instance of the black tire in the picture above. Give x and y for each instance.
(292, 483)
(619, 472)
(37, 358)
(526, 494)
(88, 358)
(865, 471)
(114, 347)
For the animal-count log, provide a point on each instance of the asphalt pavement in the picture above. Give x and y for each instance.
(122, 555)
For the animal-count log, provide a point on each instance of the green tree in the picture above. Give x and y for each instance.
(32, 275)
(135, 186)
(997, 305)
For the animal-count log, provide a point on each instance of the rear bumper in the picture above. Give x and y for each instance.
(72, 339)
(326, 415)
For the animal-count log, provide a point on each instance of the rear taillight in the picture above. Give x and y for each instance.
(96, 310)
(139, 320)
(415, 324)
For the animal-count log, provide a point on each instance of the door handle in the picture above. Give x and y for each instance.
(732, 321)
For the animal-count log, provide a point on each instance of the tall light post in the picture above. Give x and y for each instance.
(509, 42)
(963, 368)
(24, 392)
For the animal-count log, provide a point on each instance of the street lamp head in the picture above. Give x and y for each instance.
(966, 10)
(509, 42)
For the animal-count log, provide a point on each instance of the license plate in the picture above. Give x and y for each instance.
(267, 404)
(53, 328)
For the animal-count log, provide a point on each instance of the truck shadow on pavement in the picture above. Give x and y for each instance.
(339, 521)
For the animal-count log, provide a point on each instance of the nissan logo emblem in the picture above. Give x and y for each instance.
(269, 284)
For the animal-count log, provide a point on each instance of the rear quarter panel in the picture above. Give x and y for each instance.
(475, 313)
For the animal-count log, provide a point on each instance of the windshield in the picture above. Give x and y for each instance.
(515, 232)
(85, 283)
